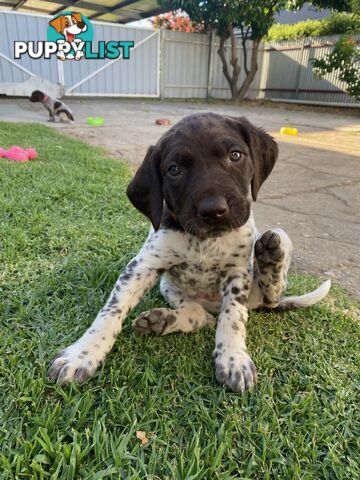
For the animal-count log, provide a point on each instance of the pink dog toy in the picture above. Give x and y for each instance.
(31, 153)
(18, 154)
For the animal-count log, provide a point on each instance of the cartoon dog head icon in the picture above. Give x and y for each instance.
(69, 25)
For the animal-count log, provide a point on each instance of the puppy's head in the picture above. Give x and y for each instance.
(69, 25)
(37, 96)
(204, 169)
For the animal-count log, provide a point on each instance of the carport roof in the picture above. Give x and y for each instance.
(105, 10)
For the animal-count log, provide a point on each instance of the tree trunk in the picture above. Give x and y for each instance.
(250, 73)
(222, 55)
(238, 94)
(231, 79)
(234, 62)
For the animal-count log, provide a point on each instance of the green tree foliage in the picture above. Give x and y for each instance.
(345, 57)
(345, 61)
(252, 18)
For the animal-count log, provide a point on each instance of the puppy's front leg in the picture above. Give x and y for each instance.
(81, 359)
(233, 366)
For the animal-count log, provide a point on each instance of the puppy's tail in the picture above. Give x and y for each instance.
(65, 115)
(287, 303)
(70, 116)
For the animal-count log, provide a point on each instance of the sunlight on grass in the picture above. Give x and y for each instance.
(67, 230)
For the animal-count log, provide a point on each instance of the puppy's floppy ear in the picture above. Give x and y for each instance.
(58, 23)
(77, 17)
(264, 152)
(145, 189)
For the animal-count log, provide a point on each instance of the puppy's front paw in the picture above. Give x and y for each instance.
(268, 250)
(234, 369)
(75, 363)
(79, 55)
(157, 320)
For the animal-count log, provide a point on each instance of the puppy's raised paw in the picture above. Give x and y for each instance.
(268, 249)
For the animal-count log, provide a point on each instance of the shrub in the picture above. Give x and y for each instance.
(335, 24)
(178, 21)
(345, 61)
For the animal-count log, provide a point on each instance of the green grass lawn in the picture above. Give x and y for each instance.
(66, 231)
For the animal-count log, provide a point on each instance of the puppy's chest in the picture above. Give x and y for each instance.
(205, 262)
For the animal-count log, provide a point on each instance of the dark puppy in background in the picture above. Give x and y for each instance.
(196, 186)
(54, 106)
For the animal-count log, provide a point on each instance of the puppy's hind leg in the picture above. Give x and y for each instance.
(187, 316)
(273, 255)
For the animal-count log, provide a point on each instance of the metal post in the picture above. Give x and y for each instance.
(264, 71)
(210, 65)
(61, 77)
(162, 72)
(301, 64)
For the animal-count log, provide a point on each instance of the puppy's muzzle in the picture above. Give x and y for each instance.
(212, 209)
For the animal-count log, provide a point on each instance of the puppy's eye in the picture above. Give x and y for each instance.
(236, 156)
(174, 170)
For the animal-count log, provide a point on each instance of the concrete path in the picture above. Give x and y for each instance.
(313, 193)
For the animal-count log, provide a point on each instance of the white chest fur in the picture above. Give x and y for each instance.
(200, 264)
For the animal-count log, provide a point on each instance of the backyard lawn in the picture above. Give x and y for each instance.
(66, 231)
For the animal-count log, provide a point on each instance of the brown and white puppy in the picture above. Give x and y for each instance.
(54, 106)
(69, 25)
(196, 185)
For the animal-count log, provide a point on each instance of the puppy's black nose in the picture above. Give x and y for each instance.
(212, 208)
(81, 24)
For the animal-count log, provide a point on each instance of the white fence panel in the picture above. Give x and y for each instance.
(138, 76)
(185, 60)
(19, 77)
(290, 74)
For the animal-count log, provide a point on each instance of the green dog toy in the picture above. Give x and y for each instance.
(95, 121)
